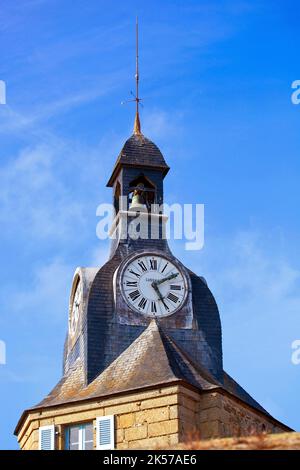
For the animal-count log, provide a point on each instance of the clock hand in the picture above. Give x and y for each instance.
(168, 278)
(154, 285)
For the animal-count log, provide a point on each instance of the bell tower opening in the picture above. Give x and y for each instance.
(117, 195)
(142, 193)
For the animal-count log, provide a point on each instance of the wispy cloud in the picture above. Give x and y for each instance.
(255, 284)
(99, 255)
(160, 124)
(257, 274)
(45, 296)
(33, 199)
(256, 287)
(14, 121)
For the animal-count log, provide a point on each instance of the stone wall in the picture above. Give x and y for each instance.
(146, 419)
(224, 416)
(152, 419)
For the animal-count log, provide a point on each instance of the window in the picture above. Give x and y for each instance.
(46, 437)
(80, 437)
(105, 433)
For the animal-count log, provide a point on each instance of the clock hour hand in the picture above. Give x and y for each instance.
(168, 278)
(154, 285)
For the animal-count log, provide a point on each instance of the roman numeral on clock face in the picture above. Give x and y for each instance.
(175, 287)
(134, 294)
(142, 265)
(153, 307)
(134, 273)
(142, 303)
(173, 297)
(131, 283)
(164, 267)
(153, 264)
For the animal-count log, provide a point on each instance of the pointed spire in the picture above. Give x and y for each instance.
(137, 123)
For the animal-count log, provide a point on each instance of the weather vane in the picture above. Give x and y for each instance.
(137, 99)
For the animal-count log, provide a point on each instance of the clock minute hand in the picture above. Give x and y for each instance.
(154, 285)
(168, 278)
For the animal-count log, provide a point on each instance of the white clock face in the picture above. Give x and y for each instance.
(153, 286)
(75, 309)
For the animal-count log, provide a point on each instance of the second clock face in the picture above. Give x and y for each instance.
(75, 309)
(153, 285)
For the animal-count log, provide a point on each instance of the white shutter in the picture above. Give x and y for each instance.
(46, 437)
(105, 433)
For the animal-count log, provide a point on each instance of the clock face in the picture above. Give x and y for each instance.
(153, 285)
(75, 309)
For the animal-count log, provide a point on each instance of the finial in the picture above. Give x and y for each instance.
(137, 124)
(137, 99)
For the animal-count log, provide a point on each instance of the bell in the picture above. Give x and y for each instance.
(138, 202)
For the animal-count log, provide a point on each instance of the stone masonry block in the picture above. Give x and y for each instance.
(150, 443)
(163, 428)
(153, 415)
(210, 414)
(174, 411)
(138, 432)
(120, 409)
(209, 429)
(159, 402)
(120, 435)
(126, 420)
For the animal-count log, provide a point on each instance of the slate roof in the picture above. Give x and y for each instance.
(153, 359)
(139, 151)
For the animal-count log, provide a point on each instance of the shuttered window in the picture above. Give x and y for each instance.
(46, 437)
(79, 437)
(105, 432)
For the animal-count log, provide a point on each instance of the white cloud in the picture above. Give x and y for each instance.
(45, 297)
(255, 274)
(160, 124)
(248, 267)
(13, 121)
(33, 198)
(257, 289)
(99, 255)
(48, 198)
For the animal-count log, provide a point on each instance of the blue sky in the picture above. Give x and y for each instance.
(216, 80)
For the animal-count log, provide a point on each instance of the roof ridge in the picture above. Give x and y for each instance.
(153, 358)
(198, 368)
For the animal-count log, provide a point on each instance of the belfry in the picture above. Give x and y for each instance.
(142, 361)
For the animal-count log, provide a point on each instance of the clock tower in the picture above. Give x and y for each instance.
(142, 362)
